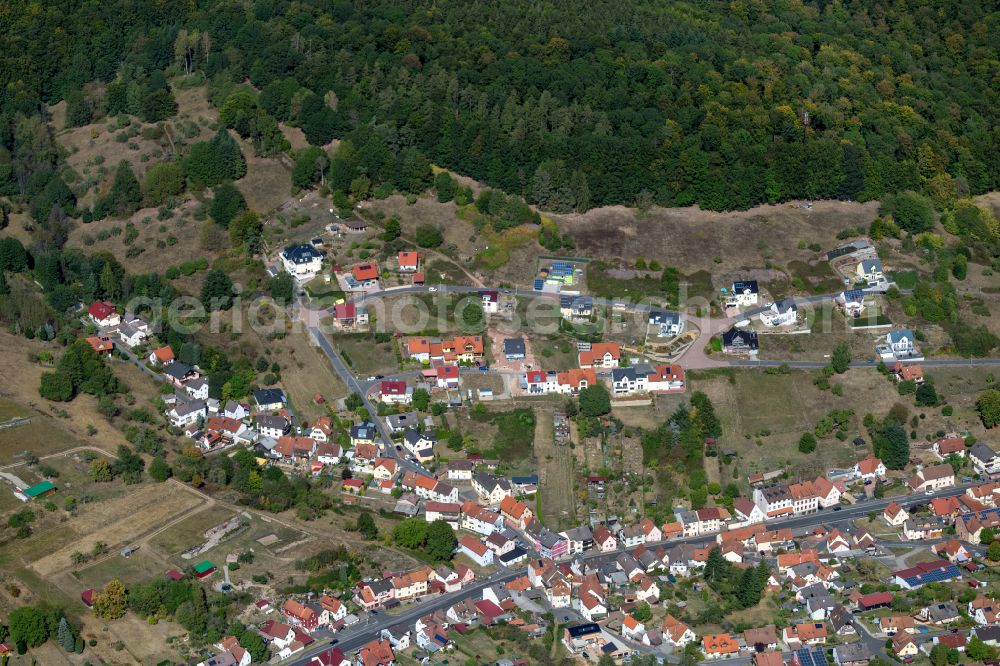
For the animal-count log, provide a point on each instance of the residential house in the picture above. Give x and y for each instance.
(408, 262)
(161, 356)
(718, 646)
(604, 540)
(131, 335)
(969, 527)
(895, 515)
(547, 543)
(393, 392)
(575, 380)
(300, 615)
(449, 512)
(805, 633)
(272, 426)
(900, 343)
(743, 293)
(460, 470)
(870, 270)
(576, 307)
(514, 349)
(904, 647)
(853, 302)
(376, 653)
(349, 315)
(634, 630)
(676, 633)
(600, 355)
(475, 550)
(490, 300)
(515, 514)
(984, 459)
(746, 512)
(269, 399)
(740, 342)
(187, 413)
(104, 315)
(303, 262)
(336, 611)
(197, 388)
(852, 654)
(420, 444)
(761, 639)
(479, 519)
(363, 433)
(666, 323)
(904, 372)
(939, 613)
(631, 536)
(448, 377)
(363, 276)
(869, 469)
(947, 446)
(178, 374)
(102, 344)
(933, 478)
(953, 550)
(781, 313)
(491, 489)
(774, 501)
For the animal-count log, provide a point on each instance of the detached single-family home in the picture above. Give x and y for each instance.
(513, 349)
(132, 336)
(718, 646)
(869, 469)
(870, 270)
(947, 446)
(303, 262)
(475, 550)
(393, 392)
(349, 315)
(666, 323)
(448, 377)
(363, 276)
(908, 372)
(601, 355)
(743, 293)
(162, 356)
(895, 515)
(408, 262)
(491, 489)
(104, 314)
(269, 399)
(782, 313)
(491, 301)
(853, 302)
(935, 477)
(900, 343)
(984, 459)
(186, 413)
(740, 342)
(102, 344)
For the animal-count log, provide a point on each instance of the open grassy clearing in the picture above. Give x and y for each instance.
(117, 522)
(555, 474)
(65, 422)
(366, 357)
(305, 371)
(786, 405)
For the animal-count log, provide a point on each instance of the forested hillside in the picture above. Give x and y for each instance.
(572, 104)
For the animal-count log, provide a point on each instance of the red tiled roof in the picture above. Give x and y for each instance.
(363, 272)
(101, 310)
(345, 311)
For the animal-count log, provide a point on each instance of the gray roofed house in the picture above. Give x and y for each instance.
(941, 613)
(272, 426)
(301, 254)
(669, 323)
(852, 654)
(989, 634)
(268, 399)
(984, 458)
(739, 341)
(400, 422)
(841, 620)
(179, 372)
(514, 349)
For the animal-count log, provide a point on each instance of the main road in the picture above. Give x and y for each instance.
(354, 637)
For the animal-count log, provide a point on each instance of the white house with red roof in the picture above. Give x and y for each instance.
(104, 314)
(475, 550)
(350, 315)
(409, 262)
(949, 446)
(448, 377)
(395, 392)
(869, 469)
(895, 515)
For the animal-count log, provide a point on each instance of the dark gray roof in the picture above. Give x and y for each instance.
(266, 421)
(663, 317)
(268, 396)
(512, 346)
(301, 254)
(735, 337)
(982, 452)
(177, 370)
(746, 286)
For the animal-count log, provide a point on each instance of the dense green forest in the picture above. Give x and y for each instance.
(571, 104)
